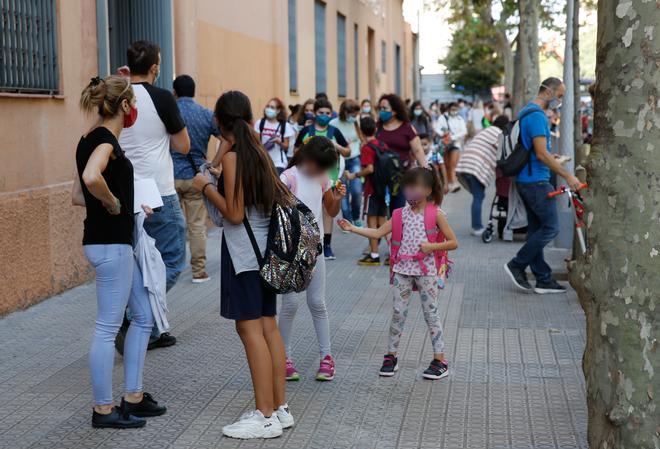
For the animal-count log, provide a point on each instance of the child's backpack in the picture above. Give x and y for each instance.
(293, 245)
(513, 155)
(388, 170)
(433, 233)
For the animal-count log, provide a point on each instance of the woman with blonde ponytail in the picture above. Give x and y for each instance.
(104, 186)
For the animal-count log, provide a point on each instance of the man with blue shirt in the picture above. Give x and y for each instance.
(533, 184)
(201, 127)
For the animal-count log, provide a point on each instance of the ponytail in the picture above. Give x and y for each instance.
(437, 191)
(104, 95)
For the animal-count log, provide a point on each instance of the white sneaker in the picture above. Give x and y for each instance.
(477, 232)
(254, 425)
(285, 416)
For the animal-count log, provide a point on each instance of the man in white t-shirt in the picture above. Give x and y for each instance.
(147, 144)
(276, 133)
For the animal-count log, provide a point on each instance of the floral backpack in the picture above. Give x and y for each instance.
(442, 262)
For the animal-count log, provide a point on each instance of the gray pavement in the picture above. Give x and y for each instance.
(516, 379)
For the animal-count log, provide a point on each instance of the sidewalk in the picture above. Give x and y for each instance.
(516, 379)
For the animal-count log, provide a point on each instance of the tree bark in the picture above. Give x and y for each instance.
(576, 71)
(505, 52)
(617, 281)
(527, 48)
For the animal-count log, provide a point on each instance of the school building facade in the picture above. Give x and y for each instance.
(51, 48)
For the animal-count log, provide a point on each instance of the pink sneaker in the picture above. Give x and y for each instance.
(291, 373)
(327, 369)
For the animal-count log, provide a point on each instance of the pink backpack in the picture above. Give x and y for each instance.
(442, 262)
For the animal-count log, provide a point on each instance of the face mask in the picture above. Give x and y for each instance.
(453, 113)
(554, 103)
(309, 116)
(413, 197)
(351, 119)
(418, 112)
(322, 120)
(130, 118)
(366, 109)
(385, 116)
(270, 112)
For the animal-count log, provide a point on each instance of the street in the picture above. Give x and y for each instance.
(515, 359)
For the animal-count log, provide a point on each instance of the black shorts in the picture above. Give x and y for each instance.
(243, 296)
(376, 206)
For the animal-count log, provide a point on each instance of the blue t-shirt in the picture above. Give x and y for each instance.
(535, 124)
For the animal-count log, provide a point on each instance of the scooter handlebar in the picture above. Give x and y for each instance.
(563, 190)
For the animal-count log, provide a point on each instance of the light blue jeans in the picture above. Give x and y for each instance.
(168, 227)
(118, 284)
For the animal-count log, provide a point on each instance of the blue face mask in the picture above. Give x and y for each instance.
(385, 116)
(270, 112)
(351, 119)
(322, 120)
(309, 116)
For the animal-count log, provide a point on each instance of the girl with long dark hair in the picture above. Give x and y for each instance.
(247, 189)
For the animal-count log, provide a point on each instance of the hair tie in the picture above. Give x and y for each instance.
(96, 81)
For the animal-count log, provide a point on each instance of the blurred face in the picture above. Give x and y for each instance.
(453, 110)
(366, 107)
(418, 111)
(309, 108)
(416, 193)
(312, 169)
(324, 111)
(384, 105)
(271, 110)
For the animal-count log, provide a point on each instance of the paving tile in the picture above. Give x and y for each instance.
(515, 381)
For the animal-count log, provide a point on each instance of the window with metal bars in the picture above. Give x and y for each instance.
(28, 47)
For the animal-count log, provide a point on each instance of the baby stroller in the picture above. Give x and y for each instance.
(499, 208)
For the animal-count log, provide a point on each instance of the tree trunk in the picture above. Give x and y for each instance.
(617, 281)
(527, 67)
(505, 52)
(576, 71)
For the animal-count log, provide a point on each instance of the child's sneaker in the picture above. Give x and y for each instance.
(390, 366)
(369, 261)
(254, 425)
(326, 369)
(327, 253)
(291, 372)
(359, 224)
(436, 370)
(285, 416)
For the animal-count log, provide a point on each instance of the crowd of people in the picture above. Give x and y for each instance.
(384, 166)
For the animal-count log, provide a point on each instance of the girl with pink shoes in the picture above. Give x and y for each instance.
(307, 178)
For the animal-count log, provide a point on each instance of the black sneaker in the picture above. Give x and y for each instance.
(518, 276)
(163, 341)
(390, 366)
(147, 407)
(436, 370)
(368, 261)
(551, 286)
(116, 420)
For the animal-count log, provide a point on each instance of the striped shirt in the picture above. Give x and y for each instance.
(479, 155)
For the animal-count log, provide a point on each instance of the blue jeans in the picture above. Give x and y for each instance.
(168, 227)
(351, 205)
(118, 284)
(477, 189)
(542, 227)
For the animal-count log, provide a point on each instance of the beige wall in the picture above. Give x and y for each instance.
(40, 232)
(224, 44)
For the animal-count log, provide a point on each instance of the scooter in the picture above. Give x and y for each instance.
(577, 203)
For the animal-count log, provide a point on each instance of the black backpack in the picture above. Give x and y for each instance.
(513, 155)
(388, 170)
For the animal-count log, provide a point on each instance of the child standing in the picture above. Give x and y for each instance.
(415, 258)
(376, 206)
(321, 127)
(307, 178)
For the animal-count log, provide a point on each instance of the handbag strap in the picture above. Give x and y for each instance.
(253, 241)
